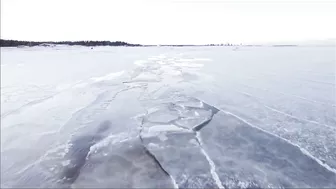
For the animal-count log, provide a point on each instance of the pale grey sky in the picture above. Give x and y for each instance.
(169, 21)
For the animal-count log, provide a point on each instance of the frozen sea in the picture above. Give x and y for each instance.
(168, 117)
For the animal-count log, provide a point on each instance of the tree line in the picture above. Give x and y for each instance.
(16, 43)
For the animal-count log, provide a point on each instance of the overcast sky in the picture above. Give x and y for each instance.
(168, 21)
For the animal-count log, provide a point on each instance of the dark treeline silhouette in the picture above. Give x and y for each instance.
(15, 43)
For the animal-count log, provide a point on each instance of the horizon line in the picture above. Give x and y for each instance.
(124, 43)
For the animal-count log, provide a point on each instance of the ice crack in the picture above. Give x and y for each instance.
(184, 117)
(157, 161)
(211, 163)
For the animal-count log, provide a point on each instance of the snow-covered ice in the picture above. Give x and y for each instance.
(168, 117)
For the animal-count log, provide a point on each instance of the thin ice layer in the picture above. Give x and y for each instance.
(248, 157)
(181, 156)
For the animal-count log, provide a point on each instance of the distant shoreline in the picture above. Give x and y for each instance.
(17, 43)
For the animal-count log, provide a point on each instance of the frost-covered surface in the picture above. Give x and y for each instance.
(163, 117)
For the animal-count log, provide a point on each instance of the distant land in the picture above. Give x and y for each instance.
(16, 43)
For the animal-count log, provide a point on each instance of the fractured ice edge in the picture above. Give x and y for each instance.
(212, 149)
